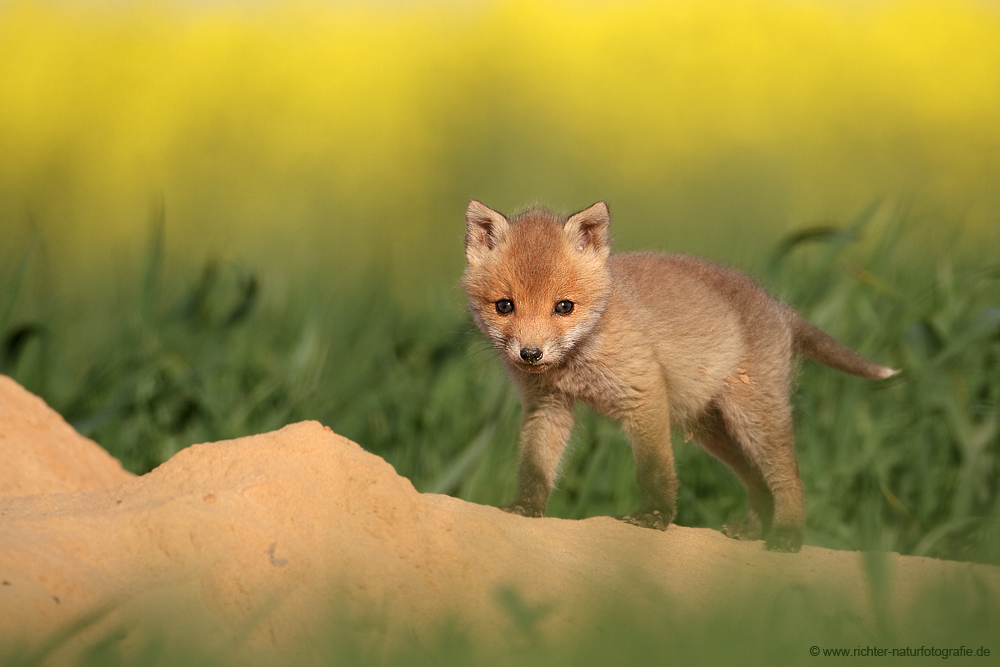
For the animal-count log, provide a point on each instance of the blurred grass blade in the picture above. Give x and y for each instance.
(193, 306)
(14, 343)
(13, 292)
(154, 258)
(985, 326)
(66, 634)
(818, 234)
(450, 480)
(929, 542)
(836, 235)
(248, 298)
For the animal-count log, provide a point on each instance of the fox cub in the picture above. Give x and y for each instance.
(649, 339)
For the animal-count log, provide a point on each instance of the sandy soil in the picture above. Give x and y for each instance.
(263, 539)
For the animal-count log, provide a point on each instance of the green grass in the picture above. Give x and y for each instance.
(174, 355)
(783, 624)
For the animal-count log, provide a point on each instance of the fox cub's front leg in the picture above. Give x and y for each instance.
(545, 428)
(648, 429)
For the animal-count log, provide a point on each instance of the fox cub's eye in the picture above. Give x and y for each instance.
(505, 306)
(564, 307)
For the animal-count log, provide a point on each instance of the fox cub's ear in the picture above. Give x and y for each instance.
(484, 229)
(589, 229)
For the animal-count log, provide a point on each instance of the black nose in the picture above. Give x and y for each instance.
(531, 354)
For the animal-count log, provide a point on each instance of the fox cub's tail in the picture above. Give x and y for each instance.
(822, 347)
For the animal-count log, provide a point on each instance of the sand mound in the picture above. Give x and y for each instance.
(264, 537)
(41, 453)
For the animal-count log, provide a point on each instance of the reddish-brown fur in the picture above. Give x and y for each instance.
(652, 339)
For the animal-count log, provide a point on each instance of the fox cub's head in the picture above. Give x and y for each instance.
(537, 283)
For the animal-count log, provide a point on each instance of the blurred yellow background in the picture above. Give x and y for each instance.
(349, 136)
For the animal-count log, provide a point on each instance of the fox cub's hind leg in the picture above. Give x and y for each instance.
(711, 434)
(756, 441)
(648, 429)
(545, 428)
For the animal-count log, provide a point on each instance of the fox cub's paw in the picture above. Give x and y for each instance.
(784, 538)
(649, 519)
(523, 511)
(746, 530)
(779, 538)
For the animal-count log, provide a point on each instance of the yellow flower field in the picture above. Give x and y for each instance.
(357, 134)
